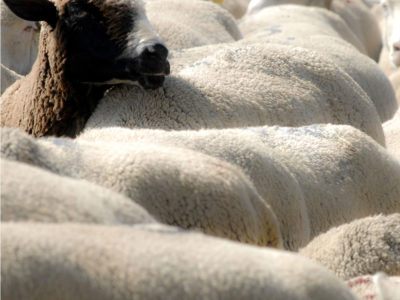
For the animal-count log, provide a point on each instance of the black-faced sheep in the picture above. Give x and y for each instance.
(238, 85)
(85, 45)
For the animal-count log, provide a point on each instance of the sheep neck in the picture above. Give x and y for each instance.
(49, 103)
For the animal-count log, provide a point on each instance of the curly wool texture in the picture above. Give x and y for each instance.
(68, 261)
(27, 194)
(314, 29)
(333, 170)
(242, 86)
(177, 186)
(270, 175)
(187, 23)
(364, 246)
(38, 101)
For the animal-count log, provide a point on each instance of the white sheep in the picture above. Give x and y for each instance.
(257, 5)
(362, 22)
(378, 286)
(236, 7)
(365, 246)
(244, 85)
(335, 167)
(191, 23)
(318, 20)
(35, 195)
(19, 42)
(84, 47)
(391, 129)
(176, 186)
(355, 13)
(317, 29)
(152, 261)
(270, 175)
(8, 77)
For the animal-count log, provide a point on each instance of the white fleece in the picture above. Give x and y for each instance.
(364, 246)
(32, 194)
(176, 186)
(73, 262)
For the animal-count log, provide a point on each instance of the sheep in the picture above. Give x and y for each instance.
(378, 286)
(392, 134)
(85, 46)
(355, 13)
(152, 261)
(188, 23)
(236, 7)
(244, 85)
(272, 179)
(176, 186)
(8, 77)
(362, 22)
(312, 28)
(28, 195)
(323, 22)
(257, 5)
(19, 42)
(364, 246)
(334, 165)
(277, 187)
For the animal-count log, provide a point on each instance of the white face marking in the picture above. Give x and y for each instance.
(143, 35)
(391, 31)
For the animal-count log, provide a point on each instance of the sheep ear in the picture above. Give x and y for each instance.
(34, 10)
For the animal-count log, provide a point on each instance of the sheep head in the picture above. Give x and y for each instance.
(101, 41)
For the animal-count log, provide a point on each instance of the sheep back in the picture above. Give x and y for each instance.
(69, 261)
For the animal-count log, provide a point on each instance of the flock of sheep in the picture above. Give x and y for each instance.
(161, 149)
